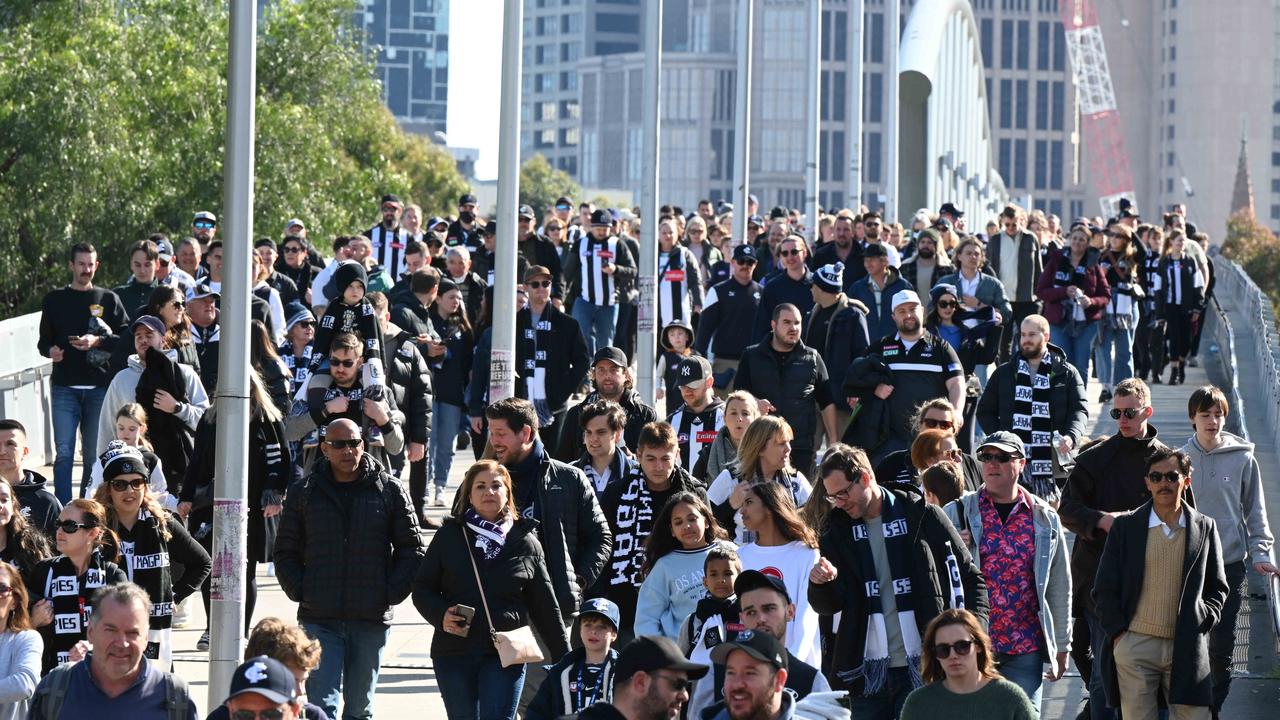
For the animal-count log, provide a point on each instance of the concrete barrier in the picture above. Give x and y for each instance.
(25, 394)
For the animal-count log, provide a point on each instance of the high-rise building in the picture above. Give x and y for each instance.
(412, 37)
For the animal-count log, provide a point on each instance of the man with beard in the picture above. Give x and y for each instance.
(790, 285)
(538, 250)
(612, 381)
(1036, 395)
(928, 265)
(789, 378)
(755, 675)
(1014, 255)
(388, 239)
(651, 682)
(876, 289)
(204, 227)
(842, 248)
(598, 270)
(922, 367)
(698, 420)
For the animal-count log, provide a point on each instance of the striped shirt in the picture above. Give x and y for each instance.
(598, 287)
(696, 431)
(679, 285)
(389, 248)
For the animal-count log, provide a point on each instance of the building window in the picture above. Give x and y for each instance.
(546, 111)
(1275, 212)
(875, 23)
(1020, 163)
(1020, 115)
(569, 137)
(1059, 47)
(1059, 105)
(875, 97)
(1042, 164)
(569, 110)
(1006, 44)
(986, 35)
(1275, 187)
(1024, 44)
(625, 23)
(1004, 158)
(1042, 105)
(1006, 104)
(1056, 164)
(1044, 33)
(1077, 208)
(871, 158)
(839, 95)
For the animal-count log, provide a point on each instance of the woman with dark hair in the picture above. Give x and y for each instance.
(450, 361)
(683, 533)
(151, 542)
(1179, 302)
(85, 563)
(20, 647)
(786, 545)
(265, 358)
(1075, 291)
(168, 304)
(24, 546)
(958, 669)
(508, 582)
(270, 468)
(764, 455)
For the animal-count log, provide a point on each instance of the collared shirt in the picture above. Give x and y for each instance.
(1155, 520)
(143, 700)
(1008, 553)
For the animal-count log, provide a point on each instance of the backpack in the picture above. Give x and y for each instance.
(52, 691)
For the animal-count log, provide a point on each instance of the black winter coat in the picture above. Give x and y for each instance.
(846, 341)
(170, 437)
(1067, 406)
(869, 426)
(549, 703)
(517, 588)
(794, 384)
(638, 415)
(410, 382)
(347, 565)
(567, 357)
(1118, 587)
(929, 529)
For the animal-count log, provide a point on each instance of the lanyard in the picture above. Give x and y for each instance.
(579, 687)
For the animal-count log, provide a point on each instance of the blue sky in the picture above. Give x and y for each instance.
(475, 73)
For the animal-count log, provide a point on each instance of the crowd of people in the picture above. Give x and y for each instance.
(853, 498)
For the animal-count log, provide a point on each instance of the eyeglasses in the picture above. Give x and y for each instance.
(335, 362)
(962, 648)
(1173, 477)
(535, 284)
(933, 424)
(678, 684)
(292, 249)
(1000, 457)
(122, 485)
(178, 304)
(1128, 413)
(948, 304)
(789, 253)
(71, 526)
(203, 224)
(837, 498)
(345, 444)
(268, 714)
(5, 590)
(955, 454)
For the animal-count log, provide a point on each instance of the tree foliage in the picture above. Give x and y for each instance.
(112, 126)
(1257, 250)
(541, 185)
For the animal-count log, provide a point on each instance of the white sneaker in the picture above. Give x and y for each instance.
(439, 497)
(271, 569)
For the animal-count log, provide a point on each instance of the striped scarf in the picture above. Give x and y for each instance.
(1034, 425)
(490, 536)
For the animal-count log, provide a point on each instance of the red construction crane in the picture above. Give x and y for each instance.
(1108, 160)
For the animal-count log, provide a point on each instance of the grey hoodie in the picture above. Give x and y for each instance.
(1228, 487)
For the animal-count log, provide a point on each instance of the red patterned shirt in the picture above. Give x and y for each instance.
(1008, 552)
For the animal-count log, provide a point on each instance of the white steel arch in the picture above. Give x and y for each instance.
(947, 152)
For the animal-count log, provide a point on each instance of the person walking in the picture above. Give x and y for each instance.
(1179, 302)
(1075, 291)
(599, 263)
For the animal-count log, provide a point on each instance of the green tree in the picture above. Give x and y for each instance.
(112, 123)
(541, 185)
(1257, 250)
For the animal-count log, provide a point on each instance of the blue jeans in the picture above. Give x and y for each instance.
(1115, 355)
(885, 704)
(444, 430)
(598, 323)
(1078, 348)
(350, 656)
(1026, 671)
(74, 409)
(477, 687)
(1098, 639)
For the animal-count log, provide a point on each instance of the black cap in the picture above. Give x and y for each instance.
(875, 250)
(601, 217)
(489, 228)
(745, 252)
(267, 677)
(778, 213)
(648, 653)
(694, 370)
(942, 224)
(392, 200)
(758, 644)
(527, 212)
(950, 209)
(563, 201)
(749, 580)
(612, 354)
(467, 199)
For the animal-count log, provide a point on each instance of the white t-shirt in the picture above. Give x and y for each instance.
(792, 563)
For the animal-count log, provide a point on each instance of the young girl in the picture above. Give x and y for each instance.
(677, 344)
(21, 545)
(683, 533)
(788, 548)
(150, 539)
(1179, 302)
(764, 455)
(82, 564)
(131, 431)
(740, 409)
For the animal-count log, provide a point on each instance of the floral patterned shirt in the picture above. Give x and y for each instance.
(1008, 552)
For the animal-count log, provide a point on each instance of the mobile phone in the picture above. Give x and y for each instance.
(465, 611)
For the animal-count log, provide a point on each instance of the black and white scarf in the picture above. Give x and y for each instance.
(897, 545)
(146, 562)
(72, 598)
(489, 536)
(1034, 425)
(535, 340)
(633, 521)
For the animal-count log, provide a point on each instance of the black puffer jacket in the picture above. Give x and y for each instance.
(792, 381)
(638, 415)
(1066, 398)
(347, 566)
(410, 382)
(517, 587)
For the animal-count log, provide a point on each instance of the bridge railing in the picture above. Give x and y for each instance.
(25, 394)
(1258, 337)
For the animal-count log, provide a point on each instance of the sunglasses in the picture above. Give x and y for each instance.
(1128, 413)
(955, 454)
(268, 714)
(5, 590)
(203, 224)
(345, 444)
(179, 304)
(335, 362)
(1173, 477)
(122, 485)
(292, 249)
(1000, 457)
(948, 304)
(307, 324)
(71, 526)
(535, 284)
(788, 253)
(932, 424)
(678, 684)
(962, 648)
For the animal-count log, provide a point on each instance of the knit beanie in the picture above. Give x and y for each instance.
(830, 278)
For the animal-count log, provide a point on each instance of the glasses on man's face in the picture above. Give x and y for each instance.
(71, 526)
(202, 224)
(335, 362)
(1128, 413)
(840, 497)
(345, 444)
(678, 684)
(1173, 477)
(962, 648)
(999, 457)
(121, 485)
(268, 714)
(935, 424)
(536, 284)
(788, 253)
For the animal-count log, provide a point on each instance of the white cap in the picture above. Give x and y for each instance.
(903, 297)
(294, 221)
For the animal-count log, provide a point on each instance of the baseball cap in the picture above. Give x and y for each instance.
(601, 217)
(951, 209)
(755, 220)
(392, 200)
(527, 212)
(694, 370)
(648, 653)
(875, 250)
(467, 199)
(1004, 440)
(489, 228)
(536, 271)
(745, 253)
(151, 322)
(760, 645)
(267, 677)
(165, 248)
(749, 580)
(437, 220)
(292, 223)
(205, 215)
(564, 202)
(903, 297)
(201, 290)
(601, 607)
(612, 354)
(942, 224)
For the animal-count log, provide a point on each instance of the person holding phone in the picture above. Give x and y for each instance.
(510, 575)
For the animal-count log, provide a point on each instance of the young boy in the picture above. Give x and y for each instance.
(584, 676)
(942, 483)
(604, 462)
(715, 619)
(349, 312)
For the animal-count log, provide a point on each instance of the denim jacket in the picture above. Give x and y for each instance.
(1053, 579)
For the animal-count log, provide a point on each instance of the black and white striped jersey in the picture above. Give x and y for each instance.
(679, 285)
(597, 287)
(389, 247)
(696, 431)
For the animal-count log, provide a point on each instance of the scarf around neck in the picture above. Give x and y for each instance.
(146, 562)
(1034, 425)
(634, 522)
(71, 595)
(489, 536)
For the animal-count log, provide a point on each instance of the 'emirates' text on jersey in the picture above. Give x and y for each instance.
(696, 431)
